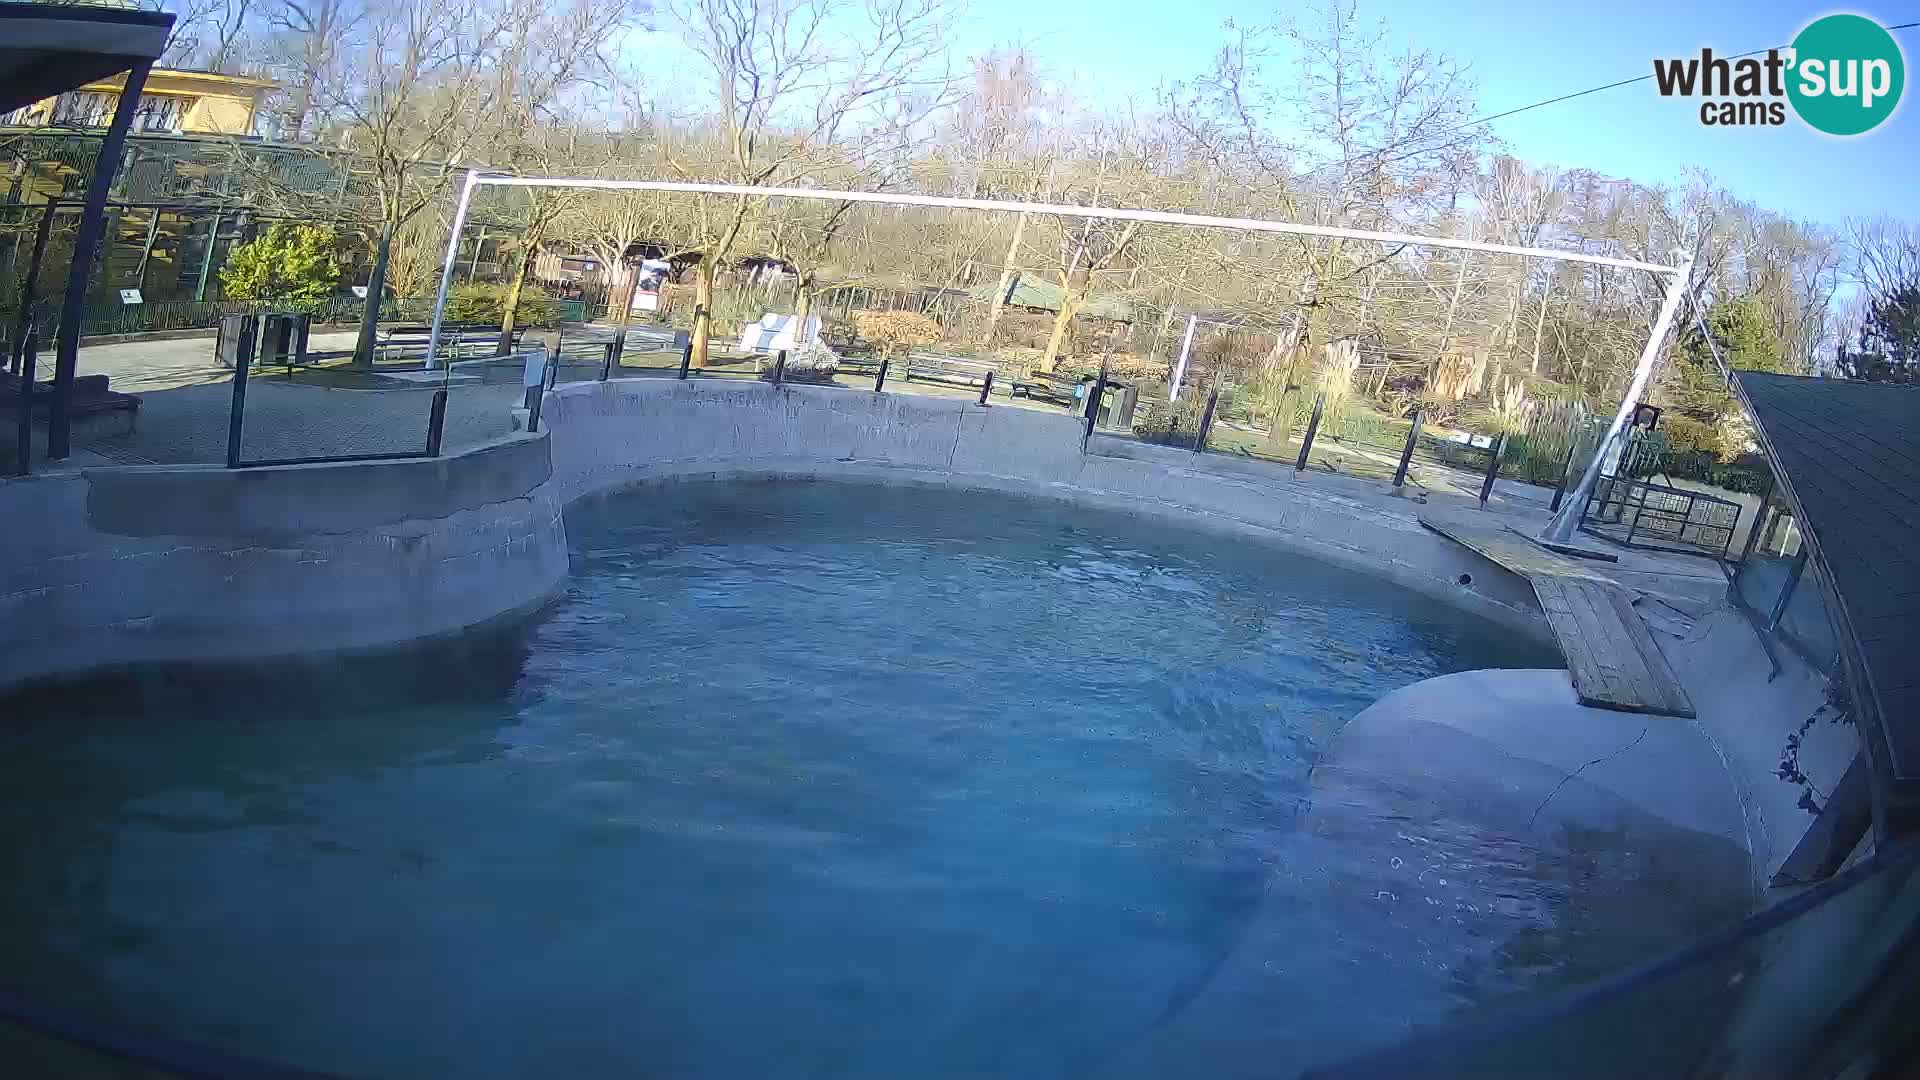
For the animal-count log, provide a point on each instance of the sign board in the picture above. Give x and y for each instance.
(131, 296)
(646, 301)
(360, 291)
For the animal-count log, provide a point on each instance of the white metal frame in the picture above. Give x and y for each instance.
(1564, 523)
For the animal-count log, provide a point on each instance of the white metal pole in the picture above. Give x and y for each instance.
(1180, 368)
(446, 268)
(1161, 217)
(1560, 530)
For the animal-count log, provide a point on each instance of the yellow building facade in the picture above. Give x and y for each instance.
(174, 102)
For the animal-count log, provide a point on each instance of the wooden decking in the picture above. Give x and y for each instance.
(1614, 660)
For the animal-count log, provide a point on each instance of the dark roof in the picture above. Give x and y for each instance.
(1032, 291)
(1848, 457)
(48, 48)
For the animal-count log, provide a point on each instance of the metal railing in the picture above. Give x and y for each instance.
(1654, 517)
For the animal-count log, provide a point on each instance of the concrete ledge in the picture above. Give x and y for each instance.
(624, 432)
(166, 565)
(277, 502)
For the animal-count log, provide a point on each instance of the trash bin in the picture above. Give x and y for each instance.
(234, 345)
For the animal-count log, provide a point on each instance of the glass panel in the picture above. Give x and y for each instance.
(1767, 567)
(1805, 624)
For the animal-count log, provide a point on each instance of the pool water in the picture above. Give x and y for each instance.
(795, 780)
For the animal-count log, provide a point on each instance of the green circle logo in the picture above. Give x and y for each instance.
(1847, 74)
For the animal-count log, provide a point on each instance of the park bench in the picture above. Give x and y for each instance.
(1042, 386)
(951, 370)
(457, 339)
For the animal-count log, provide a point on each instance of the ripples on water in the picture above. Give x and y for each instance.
(797, 780)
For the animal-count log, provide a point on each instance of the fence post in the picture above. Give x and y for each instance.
(606, 362)
(1098, 393)
(986, 388)
(436, 422)
(780, 367)
(1560, 489)
(1406, 455)
(1206, 418)
(880, 379)
(237, 415)
(686, 355)
(29, 368)
(1493, 470)
(1313, 428)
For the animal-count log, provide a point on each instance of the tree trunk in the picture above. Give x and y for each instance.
(376, 294)
(510, 311)
(1070, 301)
(702, 310)
(1007, 277)
(1539, 324)
(802, 309)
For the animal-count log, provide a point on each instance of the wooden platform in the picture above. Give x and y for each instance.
(1614, 660)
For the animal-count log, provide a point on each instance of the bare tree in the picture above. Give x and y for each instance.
(795, 83)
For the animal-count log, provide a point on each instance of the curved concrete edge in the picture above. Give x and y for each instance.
(614, 436)
(1509, 783)
(1531, 738)
(286, 577)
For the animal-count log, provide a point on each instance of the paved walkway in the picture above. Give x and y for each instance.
(186, 403)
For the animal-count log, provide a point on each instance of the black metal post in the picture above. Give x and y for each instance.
(686, 349)
(30, 286)
(436, 422)
(1566, 467)
(606, 362)
(1206, 418)
(1098, 392)
(880, 379)
(779, 366)
(1493, 470)
(1406, 455)
(29, 368)
(237, 415)
(92, 218)
(986, 388)
(1313, 428)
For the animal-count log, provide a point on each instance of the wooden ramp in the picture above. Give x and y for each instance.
(1614, 660)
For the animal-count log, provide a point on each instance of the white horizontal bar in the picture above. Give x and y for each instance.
(1157, 217)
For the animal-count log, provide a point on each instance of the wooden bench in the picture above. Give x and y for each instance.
(952, 370)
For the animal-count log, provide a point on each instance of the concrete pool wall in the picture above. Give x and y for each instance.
(163, 564)
(619, 434)
(187, 564)
(129, 565)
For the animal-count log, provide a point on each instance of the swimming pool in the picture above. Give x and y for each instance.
(796, 779)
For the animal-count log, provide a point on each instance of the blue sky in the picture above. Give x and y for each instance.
(1521, 53)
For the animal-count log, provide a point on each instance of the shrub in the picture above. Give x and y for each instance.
(894, 332)
(1687, 435)
(289, 264)
(486, 305)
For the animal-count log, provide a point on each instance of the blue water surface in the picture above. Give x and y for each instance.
(796, 780)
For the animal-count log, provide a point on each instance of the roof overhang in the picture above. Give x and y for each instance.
(49, 48)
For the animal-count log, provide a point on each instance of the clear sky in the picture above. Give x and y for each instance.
(1521, 52)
